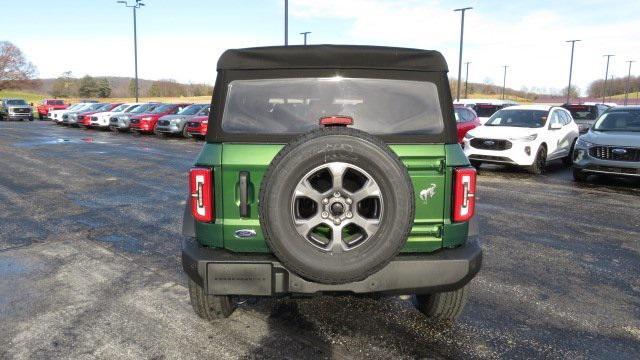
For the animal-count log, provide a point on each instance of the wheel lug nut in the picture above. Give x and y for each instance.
(336, 194)
(325, 201)
(349, 201)
(349, 215)
(324, 214)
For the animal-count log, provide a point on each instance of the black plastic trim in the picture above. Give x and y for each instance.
(248, 273)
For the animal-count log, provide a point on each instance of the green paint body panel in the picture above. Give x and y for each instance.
(429, 165)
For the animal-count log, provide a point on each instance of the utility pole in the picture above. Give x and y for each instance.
(466, 82)
(305, 36)
(573, 44)
(462, 11)
(286, 22)
(135, 37)
(606, 77)
(504, 80)
(626, 90)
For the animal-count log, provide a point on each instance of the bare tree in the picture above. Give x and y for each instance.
(15, 70)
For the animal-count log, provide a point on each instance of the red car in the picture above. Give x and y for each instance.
(197, 127)
(146, 123)
(48, 105)
(466, 119)
(84, 119)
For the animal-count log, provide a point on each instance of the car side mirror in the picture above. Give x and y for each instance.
(555, 126)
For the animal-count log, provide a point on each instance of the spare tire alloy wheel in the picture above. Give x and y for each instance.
(336, 205)
(339, 218)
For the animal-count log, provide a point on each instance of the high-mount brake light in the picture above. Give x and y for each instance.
(336, 120)
(464, 194)
(201, 191)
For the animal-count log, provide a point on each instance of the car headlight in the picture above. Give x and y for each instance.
(468, 136)
(583, 143)
(525, 138)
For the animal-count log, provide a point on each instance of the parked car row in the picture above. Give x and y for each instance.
(529, 136)
(180, 119)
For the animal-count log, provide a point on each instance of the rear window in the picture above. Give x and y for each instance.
(292, 106)
(55, 102)
(583, 112)
(486, 110)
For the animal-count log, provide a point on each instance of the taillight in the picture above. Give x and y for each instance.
(201, 190)
(464, 194)
(336, 120)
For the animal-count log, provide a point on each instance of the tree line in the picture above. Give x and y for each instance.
(615, 86)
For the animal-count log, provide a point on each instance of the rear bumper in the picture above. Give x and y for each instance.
(222, 272)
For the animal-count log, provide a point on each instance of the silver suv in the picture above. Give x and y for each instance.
(611, 146)
(15, 109)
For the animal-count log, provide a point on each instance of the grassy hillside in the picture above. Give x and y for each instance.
(29, 97)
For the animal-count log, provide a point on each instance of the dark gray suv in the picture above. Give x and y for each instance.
(611, 146)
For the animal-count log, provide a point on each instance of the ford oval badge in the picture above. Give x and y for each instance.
(245, 233)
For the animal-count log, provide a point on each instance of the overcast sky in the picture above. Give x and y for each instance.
(182, 40)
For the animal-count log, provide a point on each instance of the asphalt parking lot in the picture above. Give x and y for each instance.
(90, 266)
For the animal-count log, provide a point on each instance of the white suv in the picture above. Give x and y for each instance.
(524, 135)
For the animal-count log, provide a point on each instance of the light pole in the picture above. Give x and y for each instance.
(462, 11)
(606, 77)
(305, 36)
(466, 81)
(573, 44)
(626, 90)
(286, 22)
(137, 5)
(504, 80)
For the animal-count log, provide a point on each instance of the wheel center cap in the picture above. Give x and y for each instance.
(337, 209)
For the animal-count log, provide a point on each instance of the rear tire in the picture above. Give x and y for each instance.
(579, 175)
(444, 306)
(540, 161)
(185, 133)
(210, 307)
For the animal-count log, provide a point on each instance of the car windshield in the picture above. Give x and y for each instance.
(204, 111)
(518, 118)
(191, 109)
(131, 108)
(144, 108)
(119, 108)
(583, 112)
(296, 105)
(486, 110)
(162, 108)
(55, 102)
(98, 107)
(16, 102)
(619, 120)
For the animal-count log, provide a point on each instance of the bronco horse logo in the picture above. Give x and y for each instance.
(428, 193)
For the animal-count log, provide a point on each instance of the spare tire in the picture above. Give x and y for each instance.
(336, 205)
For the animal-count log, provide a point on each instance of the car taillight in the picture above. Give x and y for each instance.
(201, 190)
(464, 194)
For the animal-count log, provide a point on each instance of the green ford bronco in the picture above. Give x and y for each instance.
(331, 170)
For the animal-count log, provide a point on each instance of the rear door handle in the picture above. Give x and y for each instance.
(244, 194)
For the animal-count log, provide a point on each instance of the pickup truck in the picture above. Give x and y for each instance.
(48, 105)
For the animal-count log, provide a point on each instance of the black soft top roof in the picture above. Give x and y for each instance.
(332, 57)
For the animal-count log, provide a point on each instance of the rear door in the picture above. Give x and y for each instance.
(244, 165)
